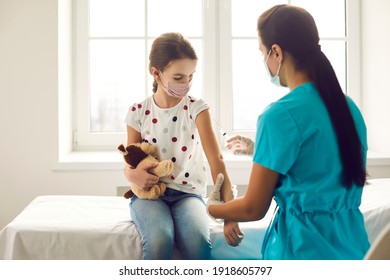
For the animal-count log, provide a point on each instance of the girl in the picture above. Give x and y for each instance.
(310, 150)
(180, 126)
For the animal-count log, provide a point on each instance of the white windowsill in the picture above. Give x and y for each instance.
(114, 161)
(378, 158)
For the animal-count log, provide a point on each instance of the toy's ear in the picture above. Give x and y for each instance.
(128, 194)
(123, 150)
(135, 155)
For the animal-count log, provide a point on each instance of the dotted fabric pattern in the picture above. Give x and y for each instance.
(173, 131)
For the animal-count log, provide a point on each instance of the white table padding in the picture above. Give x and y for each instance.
(100, 227)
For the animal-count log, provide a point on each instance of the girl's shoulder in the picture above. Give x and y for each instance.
(141, 106)
(194, 102)
(195, 105)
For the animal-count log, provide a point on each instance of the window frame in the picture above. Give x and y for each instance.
(218, 94)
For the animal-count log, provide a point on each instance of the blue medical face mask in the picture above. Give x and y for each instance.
(274, 79)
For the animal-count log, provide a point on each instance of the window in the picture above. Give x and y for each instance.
(113, 38)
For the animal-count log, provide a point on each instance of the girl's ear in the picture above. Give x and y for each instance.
(154, 71)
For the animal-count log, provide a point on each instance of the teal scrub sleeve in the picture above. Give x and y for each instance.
(277, 140)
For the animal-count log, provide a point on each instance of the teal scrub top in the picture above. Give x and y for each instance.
(317, 217)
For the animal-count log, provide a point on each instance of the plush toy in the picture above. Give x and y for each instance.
(139, 155)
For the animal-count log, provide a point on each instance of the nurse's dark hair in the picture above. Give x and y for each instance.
(169, 47)
(295, 31)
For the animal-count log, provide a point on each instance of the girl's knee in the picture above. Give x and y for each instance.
(159, 246)
(196, 248)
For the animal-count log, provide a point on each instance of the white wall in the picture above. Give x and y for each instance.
(28, 111)
(376, 72)
(29, 92)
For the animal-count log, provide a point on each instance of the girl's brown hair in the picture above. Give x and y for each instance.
(295, 31)
(167, 48)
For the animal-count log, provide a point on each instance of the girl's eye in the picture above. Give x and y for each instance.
(177, 78)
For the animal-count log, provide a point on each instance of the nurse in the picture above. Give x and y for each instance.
(309, 152)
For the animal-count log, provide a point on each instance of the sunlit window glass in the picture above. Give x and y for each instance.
(120, 35)
(252, 90)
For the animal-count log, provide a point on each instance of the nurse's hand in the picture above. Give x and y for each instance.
(240, 145)
(215, 196)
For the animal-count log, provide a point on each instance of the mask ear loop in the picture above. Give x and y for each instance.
(157, 77)
(277, 72)
(269, 53)
(280, 63)
(166, 80)
(160, 72)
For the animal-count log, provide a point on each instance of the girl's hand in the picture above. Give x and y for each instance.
(233, 234)
(141, 176)
(240, 145)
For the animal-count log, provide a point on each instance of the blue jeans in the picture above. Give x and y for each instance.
(175, 217)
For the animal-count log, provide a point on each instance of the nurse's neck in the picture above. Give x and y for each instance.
(296, 78)
(289, 75)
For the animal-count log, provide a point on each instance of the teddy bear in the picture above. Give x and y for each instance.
(139, 155)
